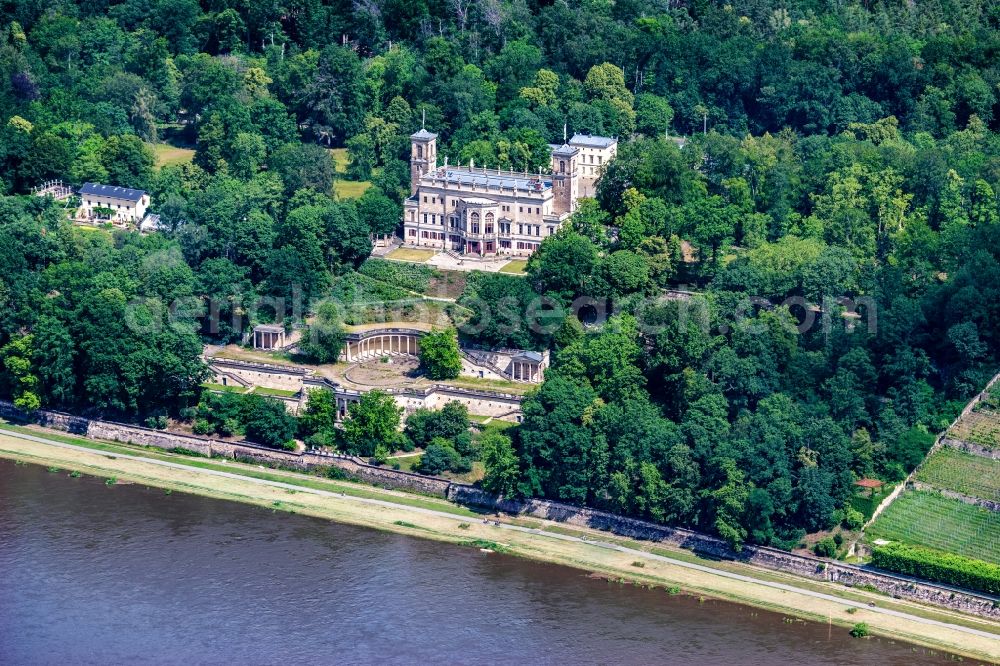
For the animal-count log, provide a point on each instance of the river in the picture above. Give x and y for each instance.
(128, 574)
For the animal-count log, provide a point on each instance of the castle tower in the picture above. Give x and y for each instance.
(423, 156)
(565, 183)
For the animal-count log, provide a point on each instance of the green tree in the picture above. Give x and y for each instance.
(323, 339)
(501, 465)
(372, 422)
(317, 421)
(439, 354)
(20, 378)
(302, 166)
(267, 421)
(563, 265)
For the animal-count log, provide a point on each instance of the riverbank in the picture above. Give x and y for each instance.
(642, 563)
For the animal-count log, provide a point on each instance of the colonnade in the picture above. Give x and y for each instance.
(524, 372)
(394, 344)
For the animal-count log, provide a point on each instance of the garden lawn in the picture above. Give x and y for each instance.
(410, 254)
(514, 267)
(350, 189)
(925, 518)
(963, 472)
(167, 155)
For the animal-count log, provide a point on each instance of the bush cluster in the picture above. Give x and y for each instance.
(935, 565)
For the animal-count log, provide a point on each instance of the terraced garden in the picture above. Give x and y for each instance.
(968, 474)
(981, 427)
(924, 518)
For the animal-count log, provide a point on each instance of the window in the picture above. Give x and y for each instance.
(412, 232)
(538, 211)
(520, 209)
(425, 218)
(425, 198)
(420, 152)
(538, 231)
(562, 166)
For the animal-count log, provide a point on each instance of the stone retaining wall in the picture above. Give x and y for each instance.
(969, 447)
(572, 515)
(992, 505)
(769, 558)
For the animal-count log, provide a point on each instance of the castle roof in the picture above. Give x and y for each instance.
(488, 178)
(423, 135)
(590, 141)
(565, 150)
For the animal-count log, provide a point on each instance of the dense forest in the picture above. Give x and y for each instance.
(832, 150)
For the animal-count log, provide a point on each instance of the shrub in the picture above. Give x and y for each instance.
(838, 539)
(938, 566)
(853, 519)
(825, 547)
(860, 630)
(202, 427)
(157, 422)
(440, 456)
(450, 422)
(415, 277)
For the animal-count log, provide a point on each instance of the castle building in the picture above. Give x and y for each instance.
(485, 212)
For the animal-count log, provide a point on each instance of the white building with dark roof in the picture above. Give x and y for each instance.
(112, 203)
(485, 212)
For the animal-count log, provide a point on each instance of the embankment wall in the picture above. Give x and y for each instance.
(770, 558)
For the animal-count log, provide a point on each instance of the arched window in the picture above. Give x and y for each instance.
(420, 152)
(562, 166)
(474, 223)
(489, 223)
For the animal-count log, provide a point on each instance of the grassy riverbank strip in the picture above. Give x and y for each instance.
(434, 518)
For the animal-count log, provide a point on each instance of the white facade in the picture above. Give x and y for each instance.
(485, 212)
(112, 203)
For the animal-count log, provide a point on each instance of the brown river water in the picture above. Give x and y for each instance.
(91, 574)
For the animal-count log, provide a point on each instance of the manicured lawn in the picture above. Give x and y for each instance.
(167, 155)
(410, 254)
(224, 387)
(350, 189)
(928, 519)
(515, 267)
(501, 385)
(340, 159)
(968, 474)
(407, 463)
(284, 393)
(346, 189)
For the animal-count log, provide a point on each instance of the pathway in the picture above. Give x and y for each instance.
(639, 554)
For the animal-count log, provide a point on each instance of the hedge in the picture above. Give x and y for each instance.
(938, 566)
